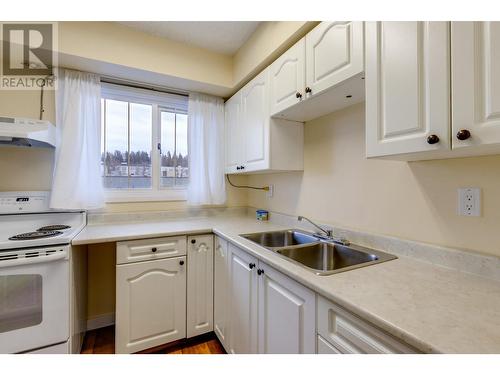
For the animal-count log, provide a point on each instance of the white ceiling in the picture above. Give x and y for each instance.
(222, 37)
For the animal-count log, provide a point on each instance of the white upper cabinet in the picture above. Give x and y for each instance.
(235, 148)
(334, 53)
(475, 58)
(407, 87)
(288, 79)
(254, 141)
(331, 59)
(255, 120)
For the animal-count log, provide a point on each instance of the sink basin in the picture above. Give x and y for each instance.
(323, 257)
(281, 238)
(326, 258)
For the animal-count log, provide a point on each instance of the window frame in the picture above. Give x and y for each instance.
(159, 101)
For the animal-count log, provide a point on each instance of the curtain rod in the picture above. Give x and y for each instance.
(144, 86)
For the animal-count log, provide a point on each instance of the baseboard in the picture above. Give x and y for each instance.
(101, 321)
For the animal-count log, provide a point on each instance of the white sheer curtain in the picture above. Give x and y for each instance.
(206, 150)
(77, 177)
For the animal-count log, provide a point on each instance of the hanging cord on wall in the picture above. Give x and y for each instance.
(265, 188)
(42, 109)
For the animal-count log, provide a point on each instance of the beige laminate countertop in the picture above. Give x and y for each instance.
(433, 308)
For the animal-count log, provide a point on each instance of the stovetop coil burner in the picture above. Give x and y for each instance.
(53, 227)
(35, 235)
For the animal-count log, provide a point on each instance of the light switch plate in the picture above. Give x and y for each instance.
(469, 201)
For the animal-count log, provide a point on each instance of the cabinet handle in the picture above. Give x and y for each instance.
(154, 249)
(251, 265)
(308, 90)
(432, 139)
(298, 95)
(238, 168)
(463, 134)
(193, 241)
(242, 167)
(181, 262)
(260, 272)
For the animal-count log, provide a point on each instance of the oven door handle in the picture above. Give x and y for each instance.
(34, 260)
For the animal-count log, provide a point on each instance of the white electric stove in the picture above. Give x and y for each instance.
(34, 273)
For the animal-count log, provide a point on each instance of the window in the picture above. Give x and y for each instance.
(144, 150)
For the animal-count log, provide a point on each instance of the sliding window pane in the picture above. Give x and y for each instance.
(182, 167)
(141, 127)
(168, 155)
(116, 136)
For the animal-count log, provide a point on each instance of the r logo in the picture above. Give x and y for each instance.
(27, 49)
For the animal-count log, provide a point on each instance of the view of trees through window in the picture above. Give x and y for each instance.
(127, 146)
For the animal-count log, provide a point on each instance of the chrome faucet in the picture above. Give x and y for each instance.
(328, 232)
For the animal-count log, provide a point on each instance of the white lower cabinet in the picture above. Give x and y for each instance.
(221, 290)
(243, 302)
(287, 314)
(200, 312)
(150, 304)
(347, 333)
(268, 312)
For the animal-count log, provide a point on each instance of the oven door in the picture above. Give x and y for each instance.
(34, 298)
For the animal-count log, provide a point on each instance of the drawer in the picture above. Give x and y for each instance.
(150, 249)
(350, 334)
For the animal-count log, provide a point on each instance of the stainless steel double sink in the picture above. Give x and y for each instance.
(321, 256)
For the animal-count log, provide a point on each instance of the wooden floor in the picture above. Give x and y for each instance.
(102, 341)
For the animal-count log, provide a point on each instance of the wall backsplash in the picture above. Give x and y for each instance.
(416, 201)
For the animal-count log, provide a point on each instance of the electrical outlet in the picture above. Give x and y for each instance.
(469, 201)
(270, 192)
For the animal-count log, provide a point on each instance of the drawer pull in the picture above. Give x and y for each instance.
(181, 262)
(193, 241)
(154, 249)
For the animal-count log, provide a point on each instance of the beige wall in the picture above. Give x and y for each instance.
(113, 43)
(101, 279)
(416, 201)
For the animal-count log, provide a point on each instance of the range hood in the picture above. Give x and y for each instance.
(15, 131)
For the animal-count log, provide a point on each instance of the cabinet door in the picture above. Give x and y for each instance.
(475, 59)
(243, 302)
(287, 78)
(407, 87)
(150, 304)
(334, 52)
(255, 118)
(287, 314)
(221, 290)
(200, 297)
(235, 151)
